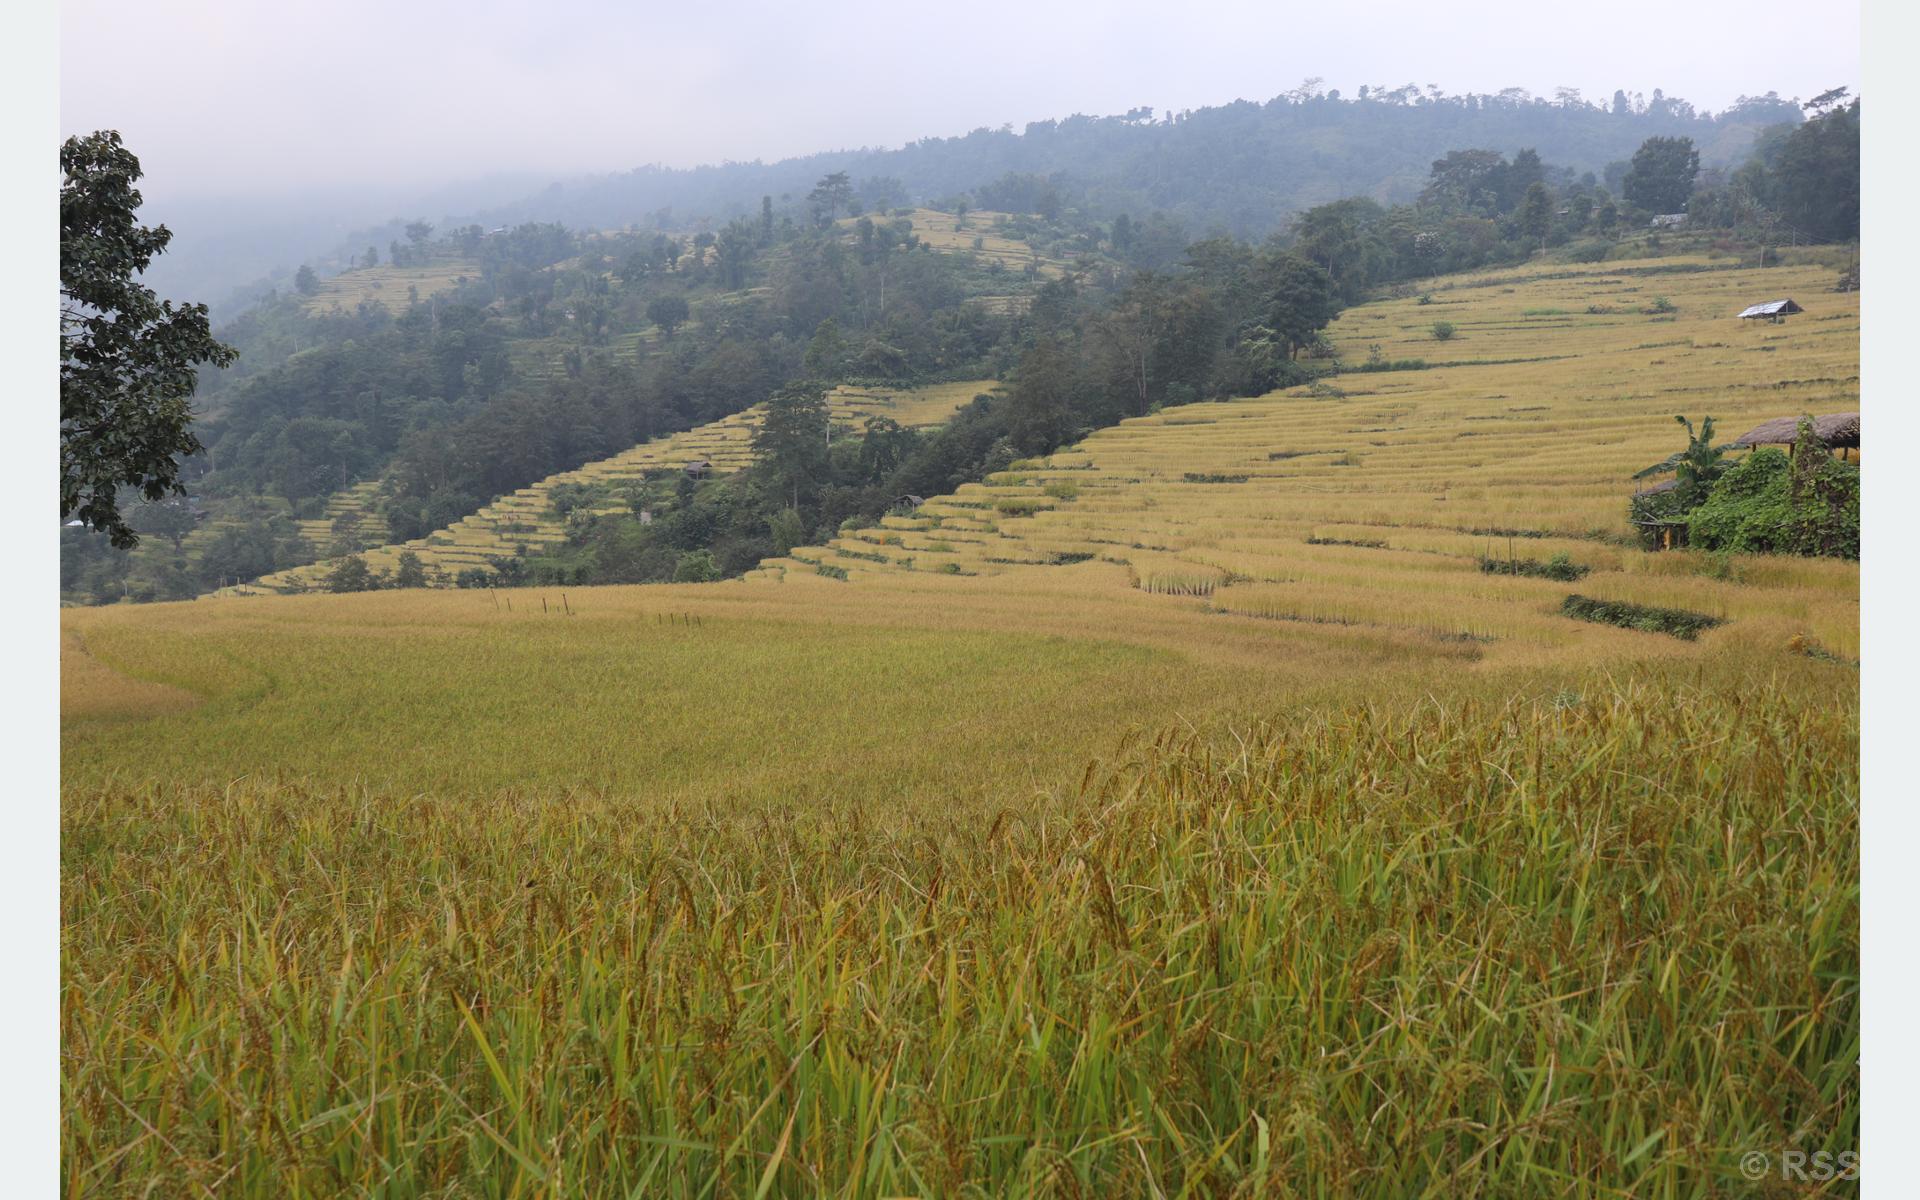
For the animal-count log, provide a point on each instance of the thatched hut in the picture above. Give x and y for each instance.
(1840, 431)
(699, 468)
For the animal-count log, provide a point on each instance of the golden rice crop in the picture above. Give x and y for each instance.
(1201, 836)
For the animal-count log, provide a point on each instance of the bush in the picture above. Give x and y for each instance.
(1558, 567)
(1772, 504)
(1676, 622)
(1662, 305)
(696, 566)
(1442, 331)
(1589, 252)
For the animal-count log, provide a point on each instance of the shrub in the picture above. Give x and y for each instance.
(474, 577)
(1558, 567)
(1442, 331)
(1772, 504)
(1063, 489)
(696, 566)
(1662, 305)
(1676, 622)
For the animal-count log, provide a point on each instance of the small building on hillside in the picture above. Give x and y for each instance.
(699, 468)
(1668, 221)
(1772, 310)
(1840, 431)
(909, 501)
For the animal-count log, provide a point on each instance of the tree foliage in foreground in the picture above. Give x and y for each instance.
(127, 358)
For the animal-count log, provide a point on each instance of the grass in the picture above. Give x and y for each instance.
(1154, 839)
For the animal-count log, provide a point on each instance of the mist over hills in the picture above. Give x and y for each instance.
(1243, 168)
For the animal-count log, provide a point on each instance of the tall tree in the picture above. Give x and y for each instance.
(1660, 178)
(829, 196)
(791, 443)
(128, 360)
(1816, 173)
(1535, 215)
(1300, 300)
(668, 312)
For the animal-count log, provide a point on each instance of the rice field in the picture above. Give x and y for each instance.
(944, 232)
(1369, 499)
(526, 518)
(1214, 827)
(389, 286)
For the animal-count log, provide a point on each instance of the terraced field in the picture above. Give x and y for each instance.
(352, 514)
(944, 232)
(391, 286)
(1185, 815)
(527, 518)
(1369, 501)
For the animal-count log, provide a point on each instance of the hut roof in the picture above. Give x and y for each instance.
(1835, 429)
(1772, 308)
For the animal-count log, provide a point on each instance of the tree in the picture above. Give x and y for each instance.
(1696, 468)
(1535, 215)
(1660, 177)
(1300, 301)
(351, 574)
(1468, 180)
(791, 442)
(170, 519)
(733, 252)
(1815, 175)
(827, 353)
(787, 530)
(305, 281)
(371, 258)
(668, 312)
(1041, 405)
(418, 232)
(829, 196)
(410, 572)
(128, 360)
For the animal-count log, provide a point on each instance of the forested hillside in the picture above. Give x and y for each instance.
(441, 372)
(1242, 168)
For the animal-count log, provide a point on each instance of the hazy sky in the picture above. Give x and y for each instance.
(261, 97)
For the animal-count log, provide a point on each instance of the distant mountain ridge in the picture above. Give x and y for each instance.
(1242, 167)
